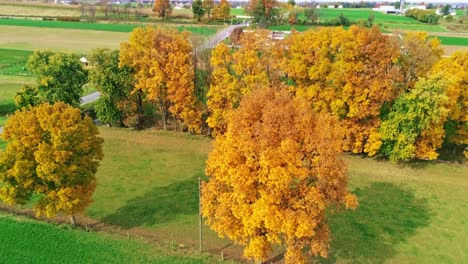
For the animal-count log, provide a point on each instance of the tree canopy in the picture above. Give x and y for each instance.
(53, 153)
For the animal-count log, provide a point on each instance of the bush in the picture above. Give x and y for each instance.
(449, 18)
(68, 18)
(425, 16)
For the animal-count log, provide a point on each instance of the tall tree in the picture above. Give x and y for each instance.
(235, 75)
(162, 8)
(273, 175)
(224, 9)
(52, 153)
(419, 54)
(263, 11)
(208, 6)
(60, 77)
(115, 85)
(162, 61)
(198, 10)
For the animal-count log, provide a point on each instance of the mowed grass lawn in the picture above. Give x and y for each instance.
(9, 85)
(27, 241)
(408, 213)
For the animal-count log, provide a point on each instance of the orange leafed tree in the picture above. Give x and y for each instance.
(273, 175)
(350, 74)
(162, 8)
(235, 74)
(162, 61)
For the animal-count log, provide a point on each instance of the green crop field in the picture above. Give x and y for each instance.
(13, 62)
(411, 213)
(97, 26)
(27, 241)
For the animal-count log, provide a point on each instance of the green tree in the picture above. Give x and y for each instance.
(413, 112)
(52, 153)
(60, 76)
(27, 96)
(115, 85)
(446, 10)
(198, 10)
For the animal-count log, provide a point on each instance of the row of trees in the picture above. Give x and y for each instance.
(210, 11)
(368, 80)
(360, 76)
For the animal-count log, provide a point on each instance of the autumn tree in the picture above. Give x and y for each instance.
(454, 128)
(162, 8)
(52, 153)
(237, 74)
(351, 74)
(419, 54)
(413, 113)
(273, 175)
(162, 61)
(222, 11)
(263, 11)
(208, 6)
(117, 105)
(198, 10)
(59, 77)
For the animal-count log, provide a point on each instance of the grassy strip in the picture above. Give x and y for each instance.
(453, 41)
(95, 26)
(23, 240)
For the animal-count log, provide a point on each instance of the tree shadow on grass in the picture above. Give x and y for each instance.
(158, 206)
(386, 216)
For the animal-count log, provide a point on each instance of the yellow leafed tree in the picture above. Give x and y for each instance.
(454, 126)
(53, 153)
(273, 175)
(235, 74)
(162, 61)
(349, 73)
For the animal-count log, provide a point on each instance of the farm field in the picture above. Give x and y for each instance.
(9, 85)
(149, 180)
(23, 240)
(12, 62)
(20, 9)
(120, 27)
(31, 38)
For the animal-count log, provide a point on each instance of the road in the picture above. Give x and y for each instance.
(84, 100)
(218, 37)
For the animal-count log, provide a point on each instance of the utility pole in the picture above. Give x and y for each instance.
(200, 234)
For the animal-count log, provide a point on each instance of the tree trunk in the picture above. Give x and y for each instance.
(72, 220)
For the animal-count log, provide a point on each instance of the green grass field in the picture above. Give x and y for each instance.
(238, 12)
(13, 62)
(413, 213)
(97, 26)
(26, 241)
(9, 85)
